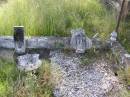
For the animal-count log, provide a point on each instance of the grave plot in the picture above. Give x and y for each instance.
(64, 48)
(95, 79)
(78, 66)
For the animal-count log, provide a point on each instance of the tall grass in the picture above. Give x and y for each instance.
(8, 74)
(56, 17)
(124, 34)
(14, 83)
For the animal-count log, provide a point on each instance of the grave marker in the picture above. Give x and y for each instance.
(19, 40)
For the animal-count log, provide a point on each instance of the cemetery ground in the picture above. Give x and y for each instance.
(66, 74)
(96, 73)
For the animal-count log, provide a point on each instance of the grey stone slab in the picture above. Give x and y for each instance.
(6, 42)
(50, 42)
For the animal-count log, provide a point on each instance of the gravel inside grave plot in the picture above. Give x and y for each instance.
(72, 80)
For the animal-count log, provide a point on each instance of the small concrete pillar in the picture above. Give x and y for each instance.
(113, 37)
(19, 40)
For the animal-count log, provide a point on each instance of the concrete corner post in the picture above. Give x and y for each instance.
(19, 40)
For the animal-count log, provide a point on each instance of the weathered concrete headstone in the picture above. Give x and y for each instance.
(79, 41)
(28, 62)
(19, 40)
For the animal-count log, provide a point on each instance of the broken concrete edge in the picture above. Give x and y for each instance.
(7, 42)
(28, 62)
(50, 42)
(122, 55)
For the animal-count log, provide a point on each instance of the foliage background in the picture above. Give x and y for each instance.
(56, 17)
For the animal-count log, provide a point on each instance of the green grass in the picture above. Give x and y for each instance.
(14, 83)
(124, 35)
(8, 73)
(56, 17)
(124, 76)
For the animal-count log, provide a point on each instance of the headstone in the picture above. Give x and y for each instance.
(79, 41)
(28, 62)
(19, 40)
